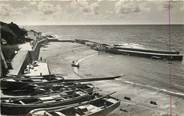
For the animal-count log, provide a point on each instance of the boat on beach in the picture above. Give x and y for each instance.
(99, 106)
(43, 92)
(13, 87)
(32, 82)
(22, 105)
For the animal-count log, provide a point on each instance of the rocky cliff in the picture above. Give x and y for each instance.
(12, 33)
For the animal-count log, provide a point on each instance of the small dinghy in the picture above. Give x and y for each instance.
(75, 64)
(99, 106)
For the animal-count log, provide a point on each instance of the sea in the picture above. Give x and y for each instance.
(151, 72)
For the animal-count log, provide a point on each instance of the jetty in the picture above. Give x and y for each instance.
(122, 50)
(165, 55)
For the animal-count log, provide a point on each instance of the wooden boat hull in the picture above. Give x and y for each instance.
(20, 109)
(28, 84)
(72, 110)
(30, 88)
(11, 85)
(107, 111)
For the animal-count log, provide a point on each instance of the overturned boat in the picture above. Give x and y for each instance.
(99, 106)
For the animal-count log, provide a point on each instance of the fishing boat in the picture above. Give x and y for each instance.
(23, 83)
(30, 82)
(11, 86)
(99, 106)
(22, 105)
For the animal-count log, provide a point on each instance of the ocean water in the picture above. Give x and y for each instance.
(156, 36)
(144, 71)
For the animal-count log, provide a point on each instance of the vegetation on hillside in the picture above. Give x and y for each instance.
(12, 33)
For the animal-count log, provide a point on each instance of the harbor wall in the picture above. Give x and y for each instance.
(19, 62)
(26, 57)
(57, 40)
(24, 64)
(34, 53)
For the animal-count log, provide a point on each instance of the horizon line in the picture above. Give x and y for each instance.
(90, 24)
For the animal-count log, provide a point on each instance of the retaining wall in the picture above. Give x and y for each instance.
(34, 53)
(26, 57)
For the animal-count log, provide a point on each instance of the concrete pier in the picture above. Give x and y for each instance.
(40, 69)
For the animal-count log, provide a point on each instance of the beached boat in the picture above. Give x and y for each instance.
(11, 86)
(22, 105)
(31, 79)
(97, 107)
(24, 82)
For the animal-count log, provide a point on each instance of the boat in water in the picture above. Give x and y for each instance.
(75, 64)
(99, 106)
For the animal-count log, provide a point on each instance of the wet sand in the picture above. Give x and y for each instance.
(60, 56)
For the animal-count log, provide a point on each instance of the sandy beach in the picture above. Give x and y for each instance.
(138, 43)
(60, 56)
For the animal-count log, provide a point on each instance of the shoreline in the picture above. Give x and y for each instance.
(61, 62)
(169, 92)
(81, 52)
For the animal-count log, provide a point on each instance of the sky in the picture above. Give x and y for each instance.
(68, 12)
